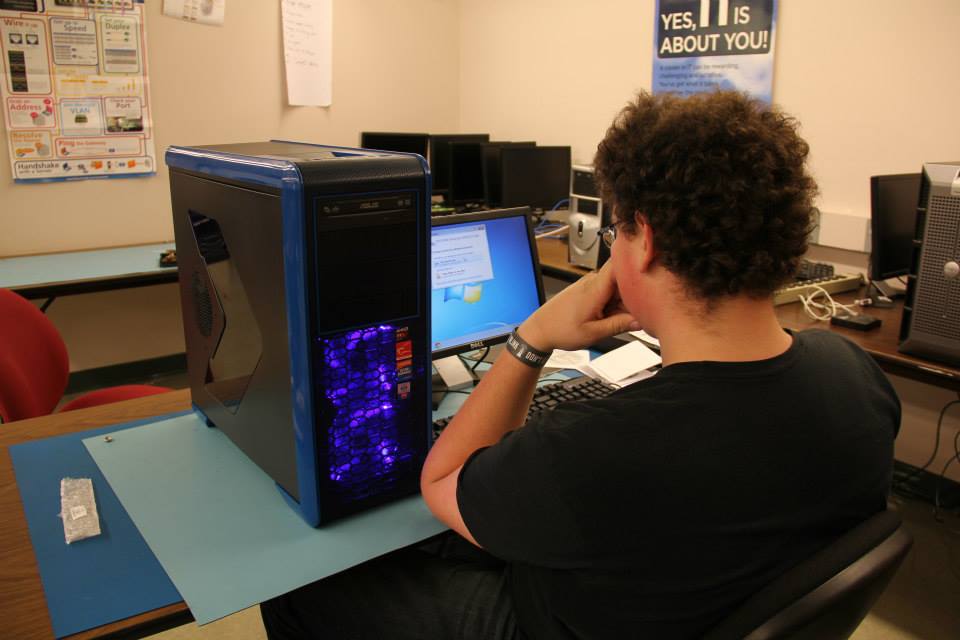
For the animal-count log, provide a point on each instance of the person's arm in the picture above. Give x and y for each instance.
(578, 316)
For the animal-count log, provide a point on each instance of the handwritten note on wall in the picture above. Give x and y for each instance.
(308, 51)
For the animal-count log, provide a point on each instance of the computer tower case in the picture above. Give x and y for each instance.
(931, 313)
(304, 277)
(588, 215)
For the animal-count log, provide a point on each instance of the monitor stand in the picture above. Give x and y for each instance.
(452, 375)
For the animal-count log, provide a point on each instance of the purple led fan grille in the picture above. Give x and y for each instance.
(366, 446)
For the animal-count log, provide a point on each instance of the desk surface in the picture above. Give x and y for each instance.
(553, 259)
(881, 343)
(58, 274)
(21, 592)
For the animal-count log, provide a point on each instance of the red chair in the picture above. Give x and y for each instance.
(34, 366)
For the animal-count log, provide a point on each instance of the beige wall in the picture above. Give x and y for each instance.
(395, 67)
(870, 80)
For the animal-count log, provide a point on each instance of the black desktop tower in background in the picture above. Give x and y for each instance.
(931, 312)
(304, 282)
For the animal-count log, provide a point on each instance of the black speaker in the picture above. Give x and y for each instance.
(931, 313)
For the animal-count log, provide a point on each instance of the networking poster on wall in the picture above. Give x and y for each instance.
(705, 45)
(75, 92)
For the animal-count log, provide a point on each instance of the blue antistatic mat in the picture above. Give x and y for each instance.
(220, 527)
(94, 581)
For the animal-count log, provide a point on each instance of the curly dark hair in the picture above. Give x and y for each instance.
(720, 179)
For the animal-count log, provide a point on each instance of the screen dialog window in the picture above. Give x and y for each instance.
(483, 280)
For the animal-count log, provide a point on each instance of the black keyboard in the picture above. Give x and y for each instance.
(550, 395)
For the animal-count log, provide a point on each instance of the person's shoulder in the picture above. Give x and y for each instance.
(824, 348)
(824, 339)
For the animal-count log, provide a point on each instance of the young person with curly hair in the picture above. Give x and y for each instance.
(655, 511)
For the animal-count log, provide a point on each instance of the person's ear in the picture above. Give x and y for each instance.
(647, 247)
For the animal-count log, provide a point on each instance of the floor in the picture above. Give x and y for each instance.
(922, 602)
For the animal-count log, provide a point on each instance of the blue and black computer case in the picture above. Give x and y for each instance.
(304, 280)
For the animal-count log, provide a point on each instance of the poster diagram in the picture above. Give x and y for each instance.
(74, 89)
(704, 45)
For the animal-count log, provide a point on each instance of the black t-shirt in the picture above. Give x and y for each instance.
(651, 513)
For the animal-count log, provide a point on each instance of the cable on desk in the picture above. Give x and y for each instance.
(547, 227)
(554, 232)
(477, 361)
(560, 203)
(826, 309)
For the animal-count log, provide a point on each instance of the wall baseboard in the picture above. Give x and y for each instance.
(923, 485)
(138, 372)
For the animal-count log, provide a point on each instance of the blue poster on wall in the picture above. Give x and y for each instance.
(704, 45)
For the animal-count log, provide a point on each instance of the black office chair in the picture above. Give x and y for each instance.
(827, 596)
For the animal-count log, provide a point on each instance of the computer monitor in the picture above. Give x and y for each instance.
(538, 177)
(485, 278)
(440, 161)
(388, 141)
(893, 214)
(466, 173)
(492, 188)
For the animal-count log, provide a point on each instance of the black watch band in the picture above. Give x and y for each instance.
(526, 354)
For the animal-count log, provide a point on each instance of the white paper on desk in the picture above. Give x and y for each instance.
(308, 51)
(623, 362)
(643, 375)
(561, 359)
(645, 337)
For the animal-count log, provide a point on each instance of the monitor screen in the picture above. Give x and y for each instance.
(440, 160)
(387, 141)
(893, 213)
(485, 278)
(491, 169)
(466, 173)
(538, 177)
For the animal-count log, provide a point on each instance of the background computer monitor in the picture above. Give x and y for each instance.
(535, 176)
(389, 141)
(466, 173)
(893, 213)
(485, 278)
(492, 190)
(440, 157)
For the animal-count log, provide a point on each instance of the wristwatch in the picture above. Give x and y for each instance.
(526, 354)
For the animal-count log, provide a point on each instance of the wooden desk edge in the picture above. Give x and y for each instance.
(95, 285)
(21, 590)
(89, 249)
